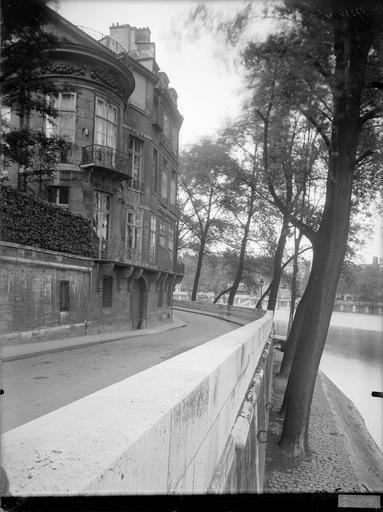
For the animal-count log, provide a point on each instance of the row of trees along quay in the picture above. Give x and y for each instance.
(303, 160)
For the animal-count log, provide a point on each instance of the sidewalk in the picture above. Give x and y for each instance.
(344, 456)
(11, 352)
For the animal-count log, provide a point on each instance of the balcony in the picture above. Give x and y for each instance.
(104, 158)
(103, 39)
(108, 250)
(117, 252)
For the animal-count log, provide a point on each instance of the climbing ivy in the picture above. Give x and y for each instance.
(29, 220)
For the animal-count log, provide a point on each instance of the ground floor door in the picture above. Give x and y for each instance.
(137, 306)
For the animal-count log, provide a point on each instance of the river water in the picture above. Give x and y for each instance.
(353, 360)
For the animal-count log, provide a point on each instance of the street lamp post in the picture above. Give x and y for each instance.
(261, 282)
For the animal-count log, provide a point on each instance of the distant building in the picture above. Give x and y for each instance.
(117, 109)
(360, 289)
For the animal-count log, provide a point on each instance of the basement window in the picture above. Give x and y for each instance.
(64, 296)
(107, 292)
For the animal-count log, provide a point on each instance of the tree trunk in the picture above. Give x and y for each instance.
(259, 303)
(220, 295)
(292, 341)
(277, 273)
(241, 260)
(199, 267)
(319, 297)
(293, 337)
(294, 280)
(352, 41)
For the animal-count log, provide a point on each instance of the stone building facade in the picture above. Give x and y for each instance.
(120, 115)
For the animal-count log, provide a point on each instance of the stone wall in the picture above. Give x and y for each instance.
(30, 290)
(164, 430)
(242, 465)
(30, 296)
(233, 313)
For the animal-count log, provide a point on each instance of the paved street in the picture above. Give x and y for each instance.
(37, 385)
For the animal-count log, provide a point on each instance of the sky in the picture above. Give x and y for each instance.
(208, 85)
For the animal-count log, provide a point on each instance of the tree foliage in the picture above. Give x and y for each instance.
(326, 66)
(28, 220)
(249, 210)
(25, 48)
(25, 90)
(203, 171)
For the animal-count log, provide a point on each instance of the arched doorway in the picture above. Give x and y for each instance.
(138, 303)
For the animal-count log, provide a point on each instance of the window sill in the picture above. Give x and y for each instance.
(60, 205)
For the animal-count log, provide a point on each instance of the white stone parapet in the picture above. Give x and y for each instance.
(160, 431)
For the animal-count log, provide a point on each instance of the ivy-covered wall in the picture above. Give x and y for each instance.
(28, 220)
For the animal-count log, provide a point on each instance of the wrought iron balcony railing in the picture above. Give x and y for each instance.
(106, 158)
(115, 251)
(104, 39)
(108, 250)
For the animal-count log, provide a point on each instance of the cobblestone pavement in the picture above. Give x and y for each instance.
(327, 469)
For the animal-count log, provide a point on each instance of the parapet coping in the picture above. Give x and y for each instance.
(141, 434)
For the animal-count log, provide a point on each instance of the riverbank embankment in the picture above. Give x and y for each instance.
(344, 457)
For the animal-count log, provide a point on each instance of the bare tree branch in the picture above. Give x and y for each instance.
(371, 114)
(363, 156)
(319, 127)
